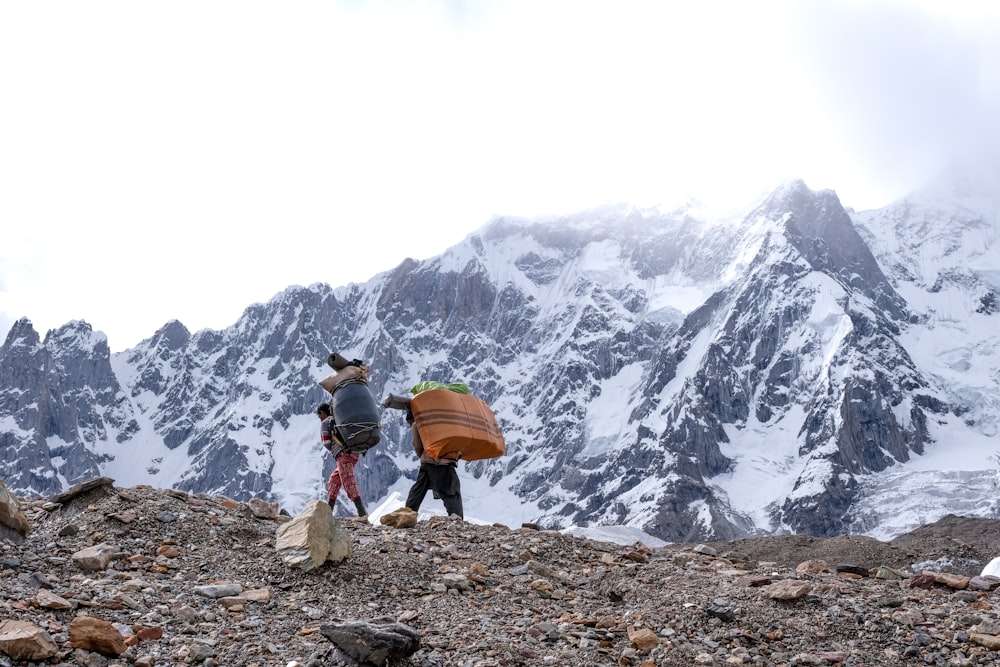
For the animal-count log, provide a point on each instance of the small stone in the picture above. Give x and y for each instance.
(984, 583)
(262, 509)
(992, 642)
(813, 567)
(787, 589)
(218, 590)
(956, 581)
(49, 600)
(753, 581)
(256, 594)
(643, 639)
(907, 617)
(888, 573)
(148, 633)
(95, 558)
(923, 580)
(168, 551)
(721, 612)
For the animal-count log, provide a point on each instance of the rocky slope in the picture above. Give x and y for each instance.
(488, 596)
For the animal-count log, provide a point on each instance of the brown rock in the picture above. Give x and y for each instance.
(228, 503)
(922, 580)
(832, 657)
(643, 639)
(813, 567)
(256, 595)
(787, 589)
(263, 509)
(956, 581)
(404, 517)
(168, 550)
(148, 632)
(94, 634)
(26, 641)
(992, 642)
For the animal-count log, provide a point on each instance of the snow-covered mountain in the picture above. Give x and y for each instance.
(799, 367)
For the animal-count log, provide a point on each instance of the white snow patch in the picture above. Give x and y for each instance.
(608, 413)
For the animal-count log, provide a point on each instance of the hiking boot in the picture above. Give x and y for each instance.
(361, 507)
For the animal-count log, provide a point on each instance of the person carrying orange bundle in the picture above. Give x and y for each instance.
(440, 475)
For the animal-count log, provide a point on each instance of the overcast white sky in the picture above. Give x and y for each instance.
(185, 159)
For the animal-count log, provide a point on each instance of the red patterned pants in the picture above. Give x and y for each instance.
(343, 475)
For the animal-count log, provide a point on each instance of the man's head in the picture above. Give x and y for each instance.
(323, 410)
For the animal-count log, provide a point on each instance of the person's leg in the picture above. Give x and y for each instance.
(419, 489)
(333, 487)
(451, 492)
(345, 464)
(444, 480)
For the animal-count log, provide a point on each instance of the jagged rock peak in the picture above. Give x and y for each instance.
(22, 333)
(76, 335)
(173, 336)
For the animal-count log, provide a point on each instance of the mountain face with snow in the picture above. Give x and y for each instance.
(799, 367)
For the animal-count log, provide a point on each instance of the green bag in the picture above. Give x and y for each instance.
(457, 387)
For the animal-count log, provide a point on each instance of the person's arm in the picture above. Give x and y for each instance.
(326, 433)
(418, 445)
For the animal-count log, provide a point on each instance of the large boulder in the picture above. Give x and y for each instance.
(312, 538)
(376, 643)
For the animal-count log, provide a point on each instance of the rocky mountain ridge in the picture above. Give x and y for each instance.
(697, 379)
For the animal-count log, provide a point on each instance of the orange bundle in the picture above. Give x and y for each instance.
(450, 423)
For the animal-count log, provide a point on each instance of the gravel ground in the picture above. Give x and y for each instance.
(490, 596)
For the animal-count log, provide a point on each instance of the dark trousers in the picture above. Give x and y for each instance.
(443, 481)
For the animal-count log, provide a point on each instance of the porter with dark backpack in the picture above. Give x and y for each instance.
(352, 405)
